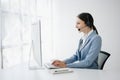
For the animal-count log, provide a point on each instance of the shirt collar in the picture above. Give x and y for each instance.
(85, 36)
(89, 32)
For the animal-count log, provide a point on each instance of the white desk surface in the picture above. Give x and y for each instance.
(23, 73)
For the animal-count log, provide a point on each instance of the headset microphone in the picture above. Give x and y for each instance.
(81, 28)
(78, 29)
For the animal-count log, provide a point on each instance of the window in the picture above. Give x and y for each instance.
(16, 19)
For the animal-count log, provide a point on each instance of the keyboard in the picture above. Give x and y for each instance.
(61, 70)
(50, 66)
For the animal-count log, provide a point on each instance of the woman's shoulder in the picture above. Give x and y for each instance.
(96, 37)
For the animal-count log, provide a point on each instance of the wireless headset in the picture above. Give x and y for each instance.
(88, 23)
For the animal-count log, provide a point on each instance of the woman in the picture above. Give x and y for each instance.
(89, 47)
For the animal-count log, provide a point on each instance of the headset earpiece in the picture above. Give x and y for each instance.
(88, 21)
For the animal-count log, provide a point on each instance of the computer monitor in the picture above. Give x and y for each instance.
(35, 60)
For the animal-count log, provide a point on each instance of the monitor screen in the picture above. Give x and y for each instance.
(36, 48)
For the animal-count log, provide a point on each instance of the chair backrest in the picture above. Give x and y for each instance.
(102, 58)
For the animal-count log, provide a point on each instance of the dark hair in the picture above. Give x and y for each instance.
(88, 19)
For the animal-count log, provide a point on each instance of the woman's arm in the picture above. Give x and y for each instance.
(71, 59)
(91, 56)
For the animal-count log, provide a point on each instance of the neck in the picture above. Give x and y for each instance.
(86, 30)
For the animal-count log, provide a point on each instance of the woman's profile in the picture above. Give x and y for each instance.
(86, 56)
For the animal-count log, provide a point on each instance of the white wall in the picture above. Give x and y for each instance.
(0, 39)
(106, 16)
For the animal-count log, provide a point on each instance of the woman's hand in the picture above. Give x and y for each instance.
(59, 63)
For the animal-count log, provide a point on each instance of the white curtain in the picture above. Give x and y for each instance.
(16, 19)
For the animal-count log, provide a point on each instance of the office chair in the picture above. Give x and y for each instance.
(102, 58)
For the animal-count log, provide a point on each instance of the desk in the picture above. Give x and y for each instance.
(23, 73)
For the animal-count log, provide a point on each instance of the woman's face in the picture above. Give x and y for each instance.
(80, 24)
